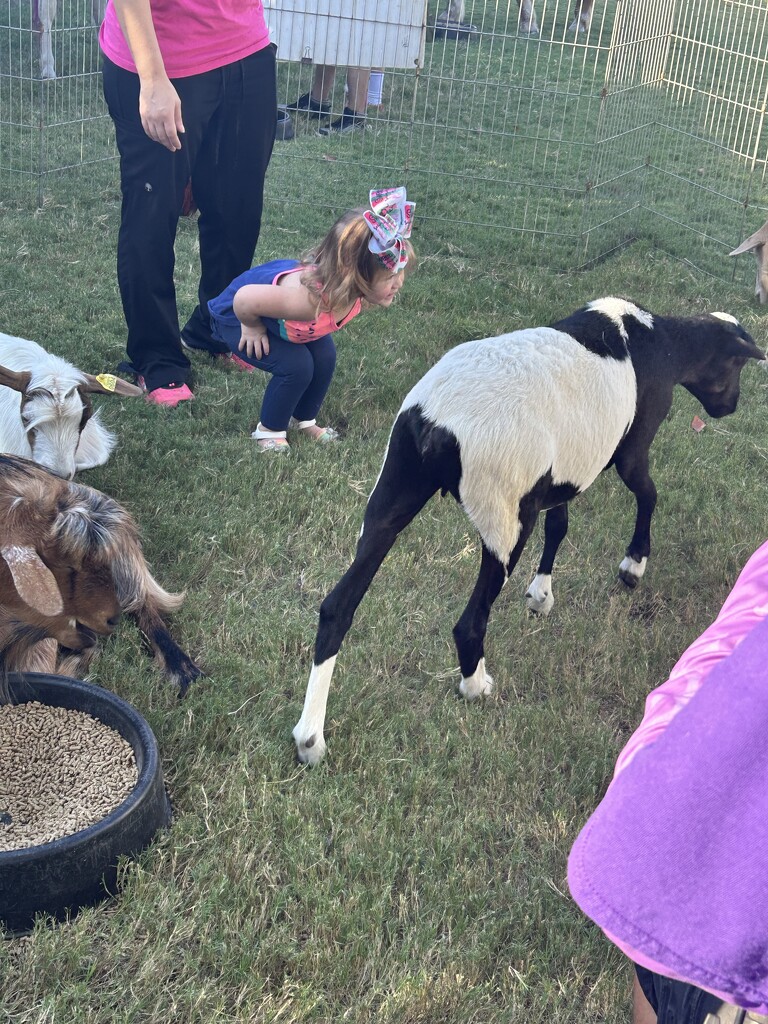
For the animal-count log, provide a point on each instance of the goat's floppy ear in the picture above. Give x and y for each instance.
(34, 582)
(760, 237)
(739, 342)
(14, 380)
(108, 384)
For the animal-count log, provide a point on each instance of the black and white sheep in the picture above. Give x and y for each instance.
(45, 408)
(71, 563)
(521, 423)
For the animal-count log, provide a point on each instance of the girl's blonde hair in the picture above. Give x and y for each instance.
(341, 268)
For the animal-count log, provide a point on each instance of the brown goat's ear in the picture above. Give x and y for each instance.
(108, 384)
(760, 237)
(14, 380)
(34, 582)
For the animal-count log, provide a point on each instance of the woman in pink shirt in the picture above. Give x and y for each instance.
(190, 86)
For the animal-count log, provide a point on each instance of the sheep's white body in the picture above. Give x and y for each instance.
(553, 405)
(49, 432)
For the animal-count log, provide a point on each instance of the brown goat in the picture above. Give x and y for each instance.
(70, 563)
(756, 245)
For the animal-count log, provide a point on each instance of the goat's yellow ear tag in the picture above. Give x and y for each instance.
(107, 380)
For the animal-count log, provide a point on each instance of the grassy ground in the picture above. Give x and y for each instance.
(418, 875)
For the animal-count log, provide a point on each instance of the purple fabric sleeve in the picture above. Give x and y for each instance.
(674, 861)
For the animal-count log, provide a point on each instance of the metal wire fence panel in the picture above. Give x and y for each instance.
(552, 147)
(493, 135)
(706, 172)
(52, 116)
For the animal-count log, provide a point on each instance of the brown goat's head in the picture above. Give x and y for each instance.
(72, 602)
(58, 550)
(70, 562)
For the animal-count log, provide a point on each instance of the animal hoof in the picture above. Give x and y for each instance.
(631, 572)
(542, 605)
(478, 685)
(628, 579)
(311, 751)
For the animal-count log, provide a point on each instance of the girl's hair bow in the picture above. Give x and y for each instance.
(390, 219)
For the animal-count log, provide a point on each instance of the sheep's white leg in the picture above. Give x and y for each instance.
(539, 596)
(308, 731)
(631, 572)
(479, 684)
(47, 12)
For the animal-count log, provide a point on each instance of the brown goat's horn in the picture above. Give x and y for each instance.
(108, 384)
(17, 381)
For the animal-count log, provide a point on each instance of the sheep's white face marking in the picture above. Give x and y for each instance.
(479, 684)
(540, 598)
(617, 309)
(308, 731)
(632, 567)
(727, 317)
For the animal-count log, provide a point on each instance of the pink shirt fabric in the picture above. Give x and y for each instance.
(194, 35)
(301, 331)
(745, 606)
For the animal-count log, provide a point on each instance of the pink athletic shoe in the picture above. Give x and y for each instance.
(241, 364)
(170, 396)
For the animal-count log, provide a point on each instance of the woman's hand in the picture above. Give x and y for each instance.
(254, 340)
(160, 112)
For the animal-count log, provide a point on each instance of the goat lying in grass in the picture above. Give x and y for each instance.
(70, 563)
(45, 408)
(524, 422)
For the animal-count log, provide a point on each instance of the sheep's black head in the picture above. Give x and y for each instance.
(716, 381)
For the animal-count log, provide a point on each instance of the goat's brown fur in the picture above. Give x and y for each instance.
(70, 562)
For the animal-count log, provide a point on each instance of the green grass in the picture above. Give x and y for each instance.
(418, 875)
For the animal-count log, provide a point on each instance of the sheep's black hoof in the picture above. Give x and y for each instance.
(186, 676)
(628, 579)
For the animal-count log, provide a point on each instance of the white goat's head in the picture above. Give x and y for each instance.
(63, 432)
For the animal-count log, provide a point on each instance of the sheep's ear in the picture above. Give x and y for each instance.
(760, 237)
(15, 381)
(34, 582)
(740, 344)
(108, 384)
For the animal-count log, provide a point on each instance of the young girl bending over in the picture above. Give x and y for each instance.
(280, 316)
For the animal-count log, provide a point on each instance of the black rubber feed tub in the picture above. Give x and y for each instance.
(81, 869)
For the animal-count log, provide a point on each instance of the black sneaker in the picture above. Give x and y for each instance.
(348, 122)
(305, 104)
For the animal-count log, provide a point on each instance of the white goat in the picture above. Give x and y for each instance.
(45, 408)
(756, 245)
(452, 19)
